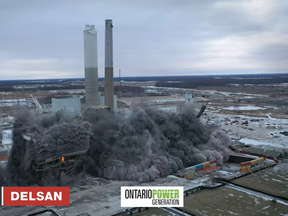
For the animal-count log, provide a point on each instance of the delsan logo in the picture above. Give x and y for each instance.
(35, 196)
(152, 196)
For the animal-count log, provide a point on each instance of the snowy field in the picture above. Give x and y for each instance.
(262, 143)
(244, 108)
(258, 131)
(153, 101)
(209, 92)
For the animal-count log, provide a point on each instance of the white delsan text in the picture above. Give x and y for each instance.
(39, 196)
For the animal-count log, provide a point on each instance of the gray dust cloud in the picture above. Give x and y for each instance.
(142, 147)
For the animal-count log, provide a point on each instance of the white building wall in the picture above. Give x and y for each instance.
(7, 137)
(68, 105)
(188, 98)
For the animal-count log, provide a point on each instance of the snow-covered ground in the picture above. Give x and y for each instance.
(12, 100)
(153, 100)
(259, 131)
(69, 91)
(244, 108)
(271, 107)
(209, 92)
(262, 143)
(168, 100)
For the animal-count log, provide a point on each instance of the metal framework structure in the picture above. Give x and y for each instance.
(46, 212)
(65, 162)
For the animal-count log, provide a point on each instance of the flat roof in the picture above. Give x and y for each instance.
(242, 155)
(264, 151)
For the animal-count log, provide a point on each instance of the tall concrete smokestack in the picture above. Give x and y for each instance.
(109, 82)
(91, 66)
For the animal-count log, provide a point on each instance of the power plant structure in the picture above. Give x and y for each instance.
(91, 66)
(92, 95)
(109, 84)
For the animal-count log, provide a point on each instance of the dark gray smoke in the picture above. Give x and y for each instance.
(45, 137)
(151, 144)
(142, 147)
(2, 176)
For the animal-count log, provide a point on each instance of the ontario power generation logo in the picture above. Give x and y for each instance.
(152, 196)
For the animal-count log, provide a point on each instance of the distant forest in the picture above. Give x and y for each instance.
(163, 81)
(204, 81)
(122, 91)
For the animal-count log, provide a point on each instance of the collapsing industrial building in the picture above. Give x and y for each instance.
(56, 145)
(142, 147)
(45, 143)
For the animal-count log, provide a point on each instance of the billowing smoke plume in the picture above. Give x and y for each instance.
(37, 138)
(151, 144)
(142, 147)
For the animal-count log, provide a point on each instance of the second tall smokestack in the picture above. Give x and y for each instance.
(109, 82)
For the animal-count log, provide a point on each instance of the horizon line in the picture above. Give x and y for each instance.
(182, 75)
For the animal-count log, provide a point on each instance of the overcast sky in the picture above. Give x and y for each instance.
(44, 39)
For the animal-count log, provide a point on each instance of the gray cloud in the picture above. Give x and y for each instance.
(276, 52)
(150, 37)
